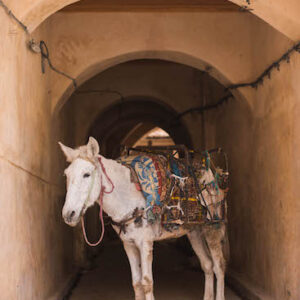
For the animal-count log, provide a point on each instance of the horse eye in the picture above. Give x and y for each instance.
(86, 175)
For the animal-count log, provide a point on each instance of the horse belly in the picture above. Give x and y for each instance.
(171, 235)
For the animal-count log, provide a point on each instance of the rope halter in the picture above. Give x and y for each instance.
(102, 192)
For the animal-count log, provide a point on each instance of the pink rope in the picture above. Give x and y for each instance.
(101, 208)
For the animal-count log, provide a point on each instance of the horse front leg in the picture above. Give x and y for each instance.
(133, 255)
(215, 239)
(146, 251)
(201, 251)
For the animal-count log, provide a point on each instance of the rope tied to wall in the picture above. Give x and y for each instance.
(45, 56)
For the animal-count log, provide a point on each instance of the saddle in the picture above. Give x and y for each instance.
(172, 190)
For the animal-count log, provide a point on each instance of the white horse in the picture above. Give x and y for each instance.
(90, 176)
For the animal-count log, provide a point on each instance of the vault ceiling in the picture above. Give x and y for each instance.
(145, 5)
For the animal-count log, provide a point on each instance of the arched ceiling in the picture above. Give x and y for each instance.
(140, 91)
(152, 5)
(281, 14)
(207, 41)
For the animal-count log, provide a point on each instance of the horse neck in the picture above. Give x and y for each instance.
(124, 198)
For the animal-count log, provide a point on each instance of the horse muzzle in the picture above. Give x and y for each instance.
(71, 218)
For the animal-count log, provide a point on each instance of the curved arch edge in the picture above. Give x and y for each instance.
(172, 56)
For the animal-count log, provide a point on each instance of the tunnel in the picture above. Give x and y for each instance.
(118, 107)
(148, 73)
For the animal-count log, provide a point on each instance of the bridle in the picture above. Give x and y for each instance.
(102, 192)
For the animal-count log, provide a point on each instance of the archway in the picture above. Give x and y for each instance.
(113, 125)
(250, 127)
(112, 104)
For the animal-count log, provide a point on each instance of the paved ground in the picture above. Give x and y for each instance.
(174, 278)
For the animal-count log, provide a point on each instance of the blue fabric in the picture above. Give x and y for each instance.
(147, 176)
(174, 168)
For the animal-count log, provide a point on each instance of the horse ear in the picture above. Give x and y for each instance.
(68, 152)
(92, 147)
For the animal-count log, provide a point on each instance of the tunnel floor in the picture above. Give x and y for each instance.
(174, 277)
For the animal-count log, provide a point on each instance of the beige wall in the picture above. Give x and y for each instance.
(201, 40)
(264, 208)
(281, 14)
(259, 129)
(36, 247)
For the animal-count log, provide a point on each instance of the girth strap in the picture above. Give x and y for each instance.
(136, 217)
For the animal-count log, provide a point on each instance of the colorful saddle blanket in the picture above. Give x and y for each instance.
(149, 176)
(171, 196)
(152, 177)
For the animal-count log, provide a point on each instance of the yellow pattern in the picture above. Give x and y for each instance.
(183, 198)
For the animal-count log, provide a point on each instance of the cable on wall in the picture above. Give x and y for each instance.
(12, 15)
(40, 47)
(45, 56)
(253, 84)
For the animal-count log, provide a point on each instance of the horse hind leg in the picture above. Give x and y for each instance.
(215, 238)
(146, 250)
(206, 263)
(133, 255)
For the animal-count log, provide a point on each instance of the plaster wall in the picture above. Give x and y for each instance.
(264, 209)
(36, 247)
(203, 40)
(281, 14)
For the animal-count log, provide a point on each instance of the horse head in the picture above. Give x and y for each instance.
(83, 177)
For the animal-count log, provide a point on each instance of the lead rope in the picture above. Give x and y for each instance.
(102, 191)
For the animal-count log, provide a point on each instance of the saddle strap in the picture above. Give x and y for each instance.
(136, 217)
